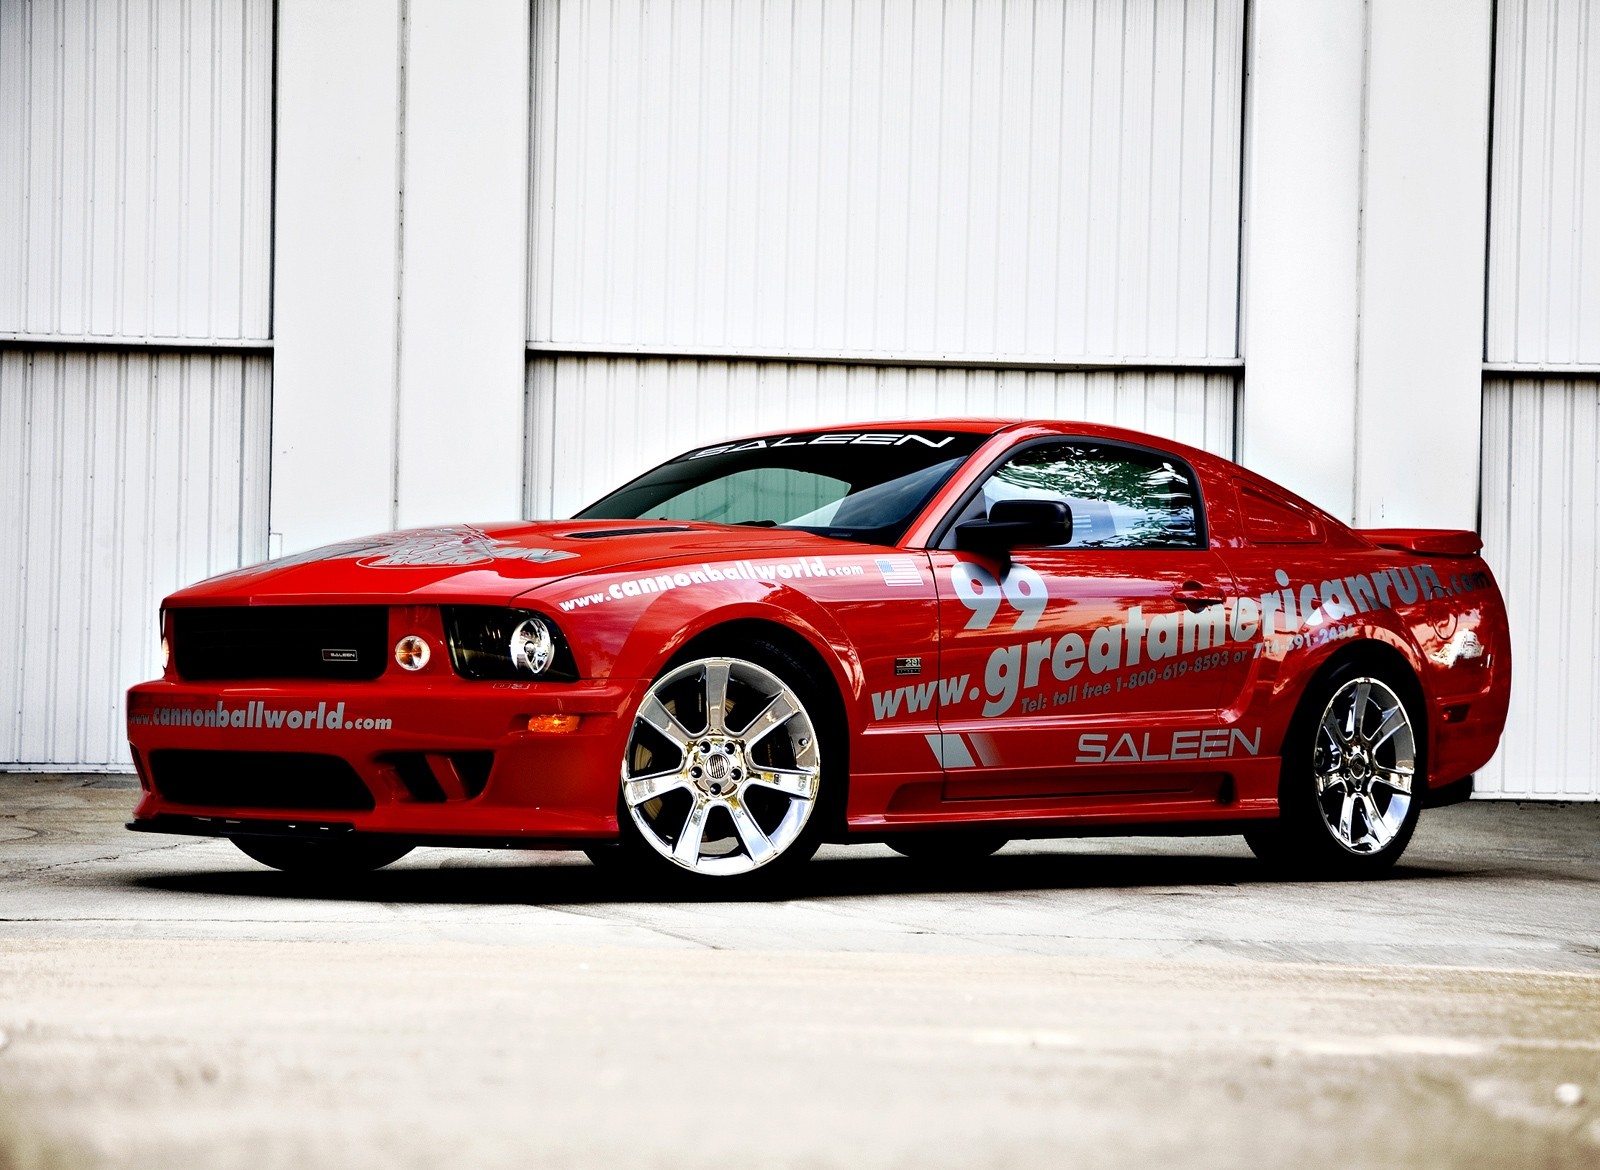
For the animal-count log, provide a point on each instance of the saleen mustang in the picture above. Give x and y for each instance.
(941, 635)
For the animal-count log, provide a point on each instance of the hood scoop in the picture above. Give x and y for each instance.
(599, 533)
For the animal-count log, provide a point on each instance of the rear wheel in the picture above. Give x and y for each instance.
(723, 773)
(343, 855)
(1353, 777)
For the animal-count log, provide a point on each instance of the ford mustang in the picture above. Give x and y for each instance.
(941, 635)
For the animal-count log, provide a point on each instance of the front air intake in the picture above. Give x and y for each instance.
(240, 780)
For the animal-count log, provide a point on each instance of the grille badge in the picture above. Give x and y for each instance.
(335, 655)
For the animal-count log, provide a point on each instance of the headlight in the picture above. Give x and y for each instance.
(493, 642)
(533, 647)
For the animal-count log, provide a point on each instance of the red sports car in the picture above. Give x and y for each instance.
(941, 634)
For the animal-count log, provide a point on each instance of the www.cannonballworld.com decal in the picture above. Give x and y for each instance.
(805, 568)
(256, 715)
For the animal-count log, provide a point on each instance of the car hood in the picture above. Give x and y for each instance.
(484, 562)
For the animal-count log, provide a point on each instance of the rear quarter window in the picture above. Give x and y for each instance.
(1271, 519)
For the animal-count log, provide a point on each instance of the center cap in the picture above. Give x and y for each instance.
(717, 767)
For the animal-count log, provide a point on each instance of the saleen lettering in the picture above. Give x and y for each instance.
(1213, 743)
(840, 438)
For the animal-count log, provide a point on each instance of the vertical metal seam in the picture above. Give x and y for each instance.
(274, 83)
(398, 379)
(1356, 498)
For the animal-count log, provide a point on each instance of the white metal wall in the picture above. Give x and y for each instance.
(1541, 410)
(1033, 179)
(1544, 224)
(594, 423)
(135, 208)
(125, 476)
(1541, 530)
(135, 168)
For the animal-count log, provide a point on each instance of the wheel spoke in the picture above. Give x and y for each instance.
(756, 843)
(1358, 709)
(640, 789)
(1374, 819)
(799, 783)
(687, 850)
(1332, 779)
(1392, 723)
(716, 697)
(1333, 726)
(1347, 810)
(773, 716)
(1398, 779)
(657, 716)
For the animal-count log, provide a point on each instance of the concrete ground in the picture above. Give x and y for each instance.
(165, 1002)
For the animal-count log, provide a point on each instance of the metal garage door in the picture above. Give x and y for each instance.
(1541, 407)
(135, 258)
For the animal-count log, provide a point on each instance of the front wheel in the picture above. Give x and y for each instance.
(723, 771)
(340, 855)
(1353, 778)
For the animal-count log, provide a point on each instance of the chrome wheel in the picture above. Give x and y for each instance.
(722, 767)
(1364, 762)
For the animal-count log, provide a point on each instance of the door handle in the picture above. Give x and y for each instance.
(1197, 596)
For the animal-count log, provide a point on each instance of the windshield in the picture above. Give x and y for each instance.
(857, 485)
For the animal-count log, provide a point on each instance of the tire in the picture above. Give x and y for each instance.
(1353, 776)
(347, 855)
(732, 769)
(947, 849)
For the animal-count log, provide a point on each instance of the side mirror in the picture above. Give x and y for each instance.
(1015, 523)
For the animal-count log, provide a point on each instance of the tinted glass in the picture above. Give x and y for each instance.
(1120, 497)
(858, 485)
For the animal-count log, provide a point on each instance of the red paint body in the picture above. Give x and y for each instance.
(1019, 712)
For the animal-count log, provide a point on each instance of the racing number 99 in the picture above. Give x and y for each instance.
(981, 593)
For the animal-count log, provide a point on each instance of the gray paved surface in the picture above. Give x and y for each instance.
(166, 1002)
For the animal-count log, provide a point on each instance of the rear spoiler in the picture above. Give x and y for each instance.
(1433, 542)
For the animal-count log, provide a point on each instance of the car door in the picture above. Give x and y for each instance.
(1097, 666)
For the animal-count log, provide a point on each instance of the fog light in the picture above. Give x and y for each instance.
(553, 724)
(532, 647)
(411, 652)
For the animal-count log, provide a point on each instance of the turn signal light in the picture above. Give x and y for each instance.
(411, 652)
(553, 724)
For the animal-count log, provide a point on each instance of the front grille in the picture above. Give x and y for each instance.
(302, 780)
(281, 641)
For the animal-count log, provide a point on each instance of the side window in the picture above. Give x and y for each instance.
(1120, 497)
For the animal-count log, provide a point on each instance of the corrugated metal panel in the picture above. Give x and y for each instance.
(136, 168)
(1036, 179)
(1544, 216)
(594, 423)
(1541, 531)
(125, 476)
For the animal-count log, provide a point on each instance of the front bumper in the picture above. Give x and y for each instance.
(541, 786)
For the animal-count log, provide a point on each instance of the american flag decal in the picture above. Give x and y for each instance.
(900, 570)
